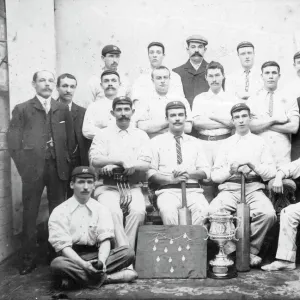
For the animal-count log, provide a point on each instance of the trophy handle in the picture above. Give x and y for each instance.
(237, 227)
(205, 239)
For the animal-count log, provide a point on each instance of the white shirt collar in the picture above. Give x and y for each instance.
(73, 203)
(211, 93)
(246, 136)
(196, 66)
(171, 135)
(42, 100)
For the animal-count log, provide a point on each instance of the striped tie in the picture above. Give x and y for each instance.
(247, 81)
(271, 100)
(178, 150)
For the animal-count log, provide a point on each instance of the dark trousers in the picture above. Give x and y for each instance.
(75, 162)
(31, 194)
(63, 267)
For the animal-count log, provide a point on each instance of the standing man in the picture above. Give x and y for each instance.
(276, 114)
(81, 231)
(245, 153)
(111, 58)
(246, 81)
(192, 73)
(143, 84)
(211, 116)
(40, 141)
(150, 116)
(66, 86)
(178, 157)
(122, 146)
(98, 114)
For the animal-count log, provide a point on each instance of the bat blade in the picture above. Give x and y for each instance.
(243, 235)
(184, 216)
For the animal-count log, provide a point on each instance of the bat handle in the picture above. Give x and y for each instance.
(243, 192)
(183, 193)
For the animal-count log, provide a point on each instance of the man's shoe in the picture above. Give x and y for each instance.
(255, 260)
(125, 275)
(279, 265)
(27, 268)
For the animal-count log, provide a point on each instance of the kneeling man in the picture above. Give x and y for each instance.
(81, 231)
(178, 157)
(289, 221)
(245, 153)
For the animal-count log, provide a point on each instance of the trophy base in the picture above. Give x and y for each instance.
(222, 272)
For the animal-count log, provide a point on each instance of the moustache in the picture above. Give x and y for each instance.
(124, 119)
(110, 88)
(197, 54)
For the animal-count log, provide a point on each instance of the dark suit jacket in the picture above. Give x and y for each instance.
(84, 144)
(27, 137)
(194, 82)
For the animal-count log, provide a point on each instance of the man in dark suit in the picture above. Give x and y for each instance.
(192, 73)
(66, 86)
(40, 141)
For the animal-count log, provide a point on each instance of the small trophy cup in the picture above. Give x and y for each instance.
(221, 231)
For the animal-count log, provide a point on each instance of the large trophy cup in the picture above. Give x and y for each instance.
(221, 231)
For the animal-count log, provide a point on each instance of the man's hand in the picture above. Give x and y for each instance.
(88, 267)
(184, 176)
(234, 168)
(108, 170)
(277, 186)
(245, 170)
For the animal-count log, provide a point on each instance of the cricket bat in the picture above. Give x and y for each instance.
(184, 214)
(243, 232)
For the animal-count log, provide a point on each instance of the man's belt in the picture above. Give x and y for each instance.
(178, 186)
(213, 138)
(247, 180)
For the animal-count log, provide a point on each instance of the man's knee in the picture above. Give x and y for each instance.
(58, 264)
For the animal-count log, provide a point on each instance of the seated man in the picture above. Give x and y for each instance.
(120, 145)
(246, 153)
(81, 231)
(178, 157)
(289, 221)
(151, 111)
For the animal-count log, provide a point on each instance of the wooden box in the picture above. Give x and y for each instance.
(177, 251)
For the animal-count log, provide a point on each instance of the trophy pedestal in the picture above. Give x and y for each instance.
(222, 272)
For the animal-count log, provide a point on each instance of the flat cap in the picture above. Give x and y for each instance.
(122, 100)
(109, 72)
(110, 49)
(239, 107)
(243, 45)
(197, 38)
(175, 104)
(84, 172)
(297, 55)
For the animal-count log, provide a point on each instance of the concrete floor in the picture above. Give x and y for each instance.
(255, 284)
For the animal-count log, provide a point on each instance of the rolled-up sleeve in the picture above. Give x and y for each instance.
(89, 129)
(59, 235)
(220, 171)
(105, 226)
(292, 169)
(266, 168)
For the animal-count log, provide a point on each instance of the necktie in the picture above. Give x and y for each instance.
(247, 81)
(271, 100)
(45, 104)
(178, 150)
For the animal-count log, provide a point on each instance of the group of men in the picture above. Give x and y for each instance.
(186, 124)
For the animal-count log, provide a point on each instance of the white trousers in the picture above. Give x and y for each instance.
(170, 200)
(110, 197)
(289, 221)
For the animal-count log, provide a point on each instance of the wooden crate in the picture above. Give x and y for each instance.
(177, 251)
